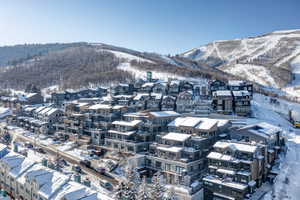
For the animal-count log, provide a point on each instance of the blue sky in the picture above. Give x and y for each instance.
(164, 26)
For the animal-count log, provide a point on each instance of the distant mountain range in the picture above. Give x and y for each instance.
(271, 59)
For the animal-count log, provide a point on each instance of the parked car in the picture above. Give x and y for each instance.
(107, 185)
(76, 168)
(86, 163)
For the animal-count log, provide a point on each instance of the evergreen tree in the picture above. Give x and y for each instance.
(143, 193)
(170, 194)
(157, 190)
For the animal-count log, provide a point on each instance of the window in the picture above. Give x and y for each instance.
(179, 169)
(167, 167)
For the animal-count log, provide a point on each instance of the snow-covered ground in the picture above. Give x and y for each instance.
(294, 87)
(128, 56)
(255, 73)
(287, 184)
(156, 75)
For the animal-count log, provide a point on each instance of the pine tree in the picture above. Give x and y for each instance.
(170, 194)
(157, 190)
(143, 193)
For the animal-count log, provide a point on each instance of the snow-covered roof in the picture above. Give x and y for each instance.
(195, 122)
(227, 183)
(156, 95)
(222, 93)
(173, 82)
(149, 84)
(118, 107)
(263, 129)
(3, 147)
(140, 95)
(165, 114)
(180, 137)
(240, 93)
(39, 109)
(219, 156)
(4, 112)
(226, 171)
(17, 163)
(55, 181)
(222, 122)
(100, 106)
(127, 123)
(170, 149)
(236, 82)
(206, 124)
(243, 147)
(128, 133)
(76, 191)
(169, 96)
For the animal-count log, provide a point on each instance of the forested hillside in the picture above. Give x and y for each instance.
(12, 55)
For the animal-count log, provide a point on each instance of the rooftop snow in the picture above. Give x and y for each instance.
(240, 93)
(231, 184)
(170, 149)
(222, 93)
(238, 146)
(195, 122)
(5, 112)
(180, 137)
(236, 82)
(100, 106)
(125, 123)
(165, 114)
(219, 156)
(122, 133)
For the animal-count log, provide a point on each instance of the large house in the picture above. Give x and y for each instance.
(235, 170)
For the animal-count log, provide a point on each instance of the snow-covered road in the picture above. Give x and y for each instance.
(287, 185)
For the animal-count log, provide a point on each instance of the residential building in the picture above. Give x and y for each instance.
(235, 170)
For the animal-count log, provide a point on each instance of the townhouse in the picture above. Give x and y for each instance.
(26, 179)
(235, 170)
(126, 136)
(266, 134)
(179, 157)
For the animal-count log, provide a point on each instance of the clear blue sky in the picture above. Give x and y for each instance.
(164, 26)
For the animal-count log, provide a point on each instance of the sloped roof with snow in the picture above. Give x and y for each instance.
(74, 191)
(263, 129)
(4, 112)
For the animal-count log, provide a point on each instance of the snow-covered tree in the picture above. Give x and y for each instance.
(157, 189)
(143, 193)
(125, 192)
(170, 194)
(133, 177)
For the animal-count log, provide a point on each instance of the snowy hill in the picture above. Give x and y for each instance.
(270, 59)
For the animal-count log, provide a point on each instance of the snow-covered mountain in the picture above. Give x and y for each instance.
(271, 59)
